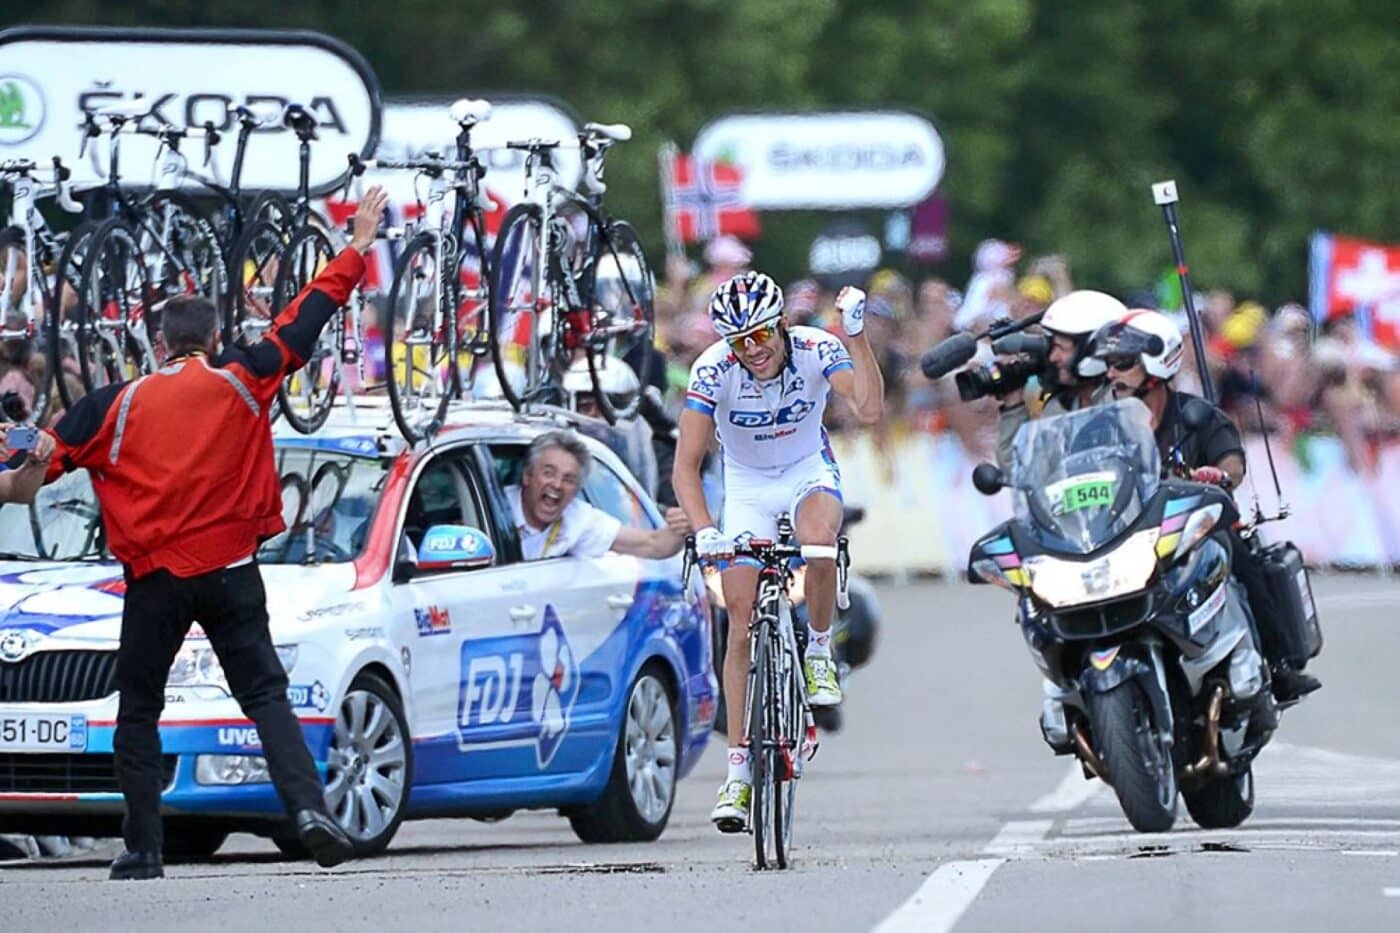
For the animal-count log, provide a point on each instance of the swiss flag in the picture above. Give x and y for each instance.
(1351, 276)
(705, 199)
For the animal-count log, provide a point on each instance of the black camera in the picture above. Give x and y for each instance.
(1032, 353)
(13, 407)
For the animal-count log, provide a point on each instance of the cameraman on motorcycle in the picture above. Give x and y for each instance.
(1142, 352)
(1073, 379)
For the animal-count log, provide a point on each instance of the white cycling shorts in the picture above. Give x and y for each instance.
(754, 498)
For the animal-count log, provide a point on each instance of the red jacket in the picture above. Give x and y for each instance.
(181, 459)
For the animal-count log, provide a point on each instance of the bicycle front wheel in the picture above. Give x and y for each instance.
(473, 304)
(115, 338)
(306, 395)
(253, 265)
(623, 294)
(420, 339)
(519, 295)
(64, 315)
(766, 756)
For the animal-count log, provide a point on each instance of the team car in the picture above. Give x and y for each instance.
(434, 672)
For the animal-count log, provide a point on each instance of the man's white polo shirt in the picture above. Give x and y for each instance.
(582, 531)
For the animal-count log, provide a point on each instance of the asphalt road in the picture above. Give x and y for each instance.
(937, 807)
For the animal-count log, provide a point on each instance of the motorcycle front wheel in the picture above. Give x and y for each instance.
(1139, 767)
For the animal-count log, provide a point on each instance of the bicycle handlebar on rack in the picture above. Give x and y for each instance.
(63, 192)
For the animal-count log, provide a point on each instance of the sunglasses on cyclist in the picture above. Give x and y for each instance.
(757, 337)
(1121, 363)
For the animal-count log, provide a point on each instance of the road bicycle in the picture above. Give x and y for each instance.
(436, 327)
(569, 283)
(779, 727)
(28, 249)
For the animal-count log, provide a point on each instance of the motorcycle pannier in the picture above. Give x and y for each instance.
(1297, 629)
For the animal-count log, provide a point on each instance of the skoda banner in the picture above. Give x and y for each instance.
(413, 127)
(830, 161)
(49, 76)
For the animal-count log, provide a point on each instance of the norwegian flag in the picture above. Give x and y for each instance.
(1351, 276)
(705, 199)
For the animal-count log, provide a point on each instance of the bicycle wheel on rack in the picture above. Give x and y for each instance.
(623, 295)
(184, 254)
(23, 322)
(473, 304)
(253, 264)
(420, 339)
(306, 395)
(272, 207)
(64, 313)
(116, 335)
(517, 275)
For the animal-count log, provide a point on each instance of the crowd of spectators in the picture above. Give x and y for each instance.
(1275, 372)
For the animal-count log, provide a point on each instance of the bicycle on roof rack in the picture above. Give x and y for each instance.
(570, 285)
(437, 327)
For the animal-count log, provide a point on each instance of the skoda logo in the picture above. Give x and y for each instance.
(14, 646)
(21, 109)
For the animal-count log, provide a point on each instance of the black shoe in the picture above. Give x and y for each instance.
(1289, 685)
(137, 866)
(323, 836)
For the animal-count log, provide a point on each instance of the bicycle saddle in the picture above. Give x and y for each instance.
(263, 113)
(125, 109)
(469, 111)
(617, 132)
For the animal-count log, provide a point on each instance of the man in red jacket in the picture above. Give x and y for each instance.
(181, 461)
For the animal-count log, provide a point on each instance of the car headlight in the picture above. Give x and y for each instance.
(196, 665)
(225, 770)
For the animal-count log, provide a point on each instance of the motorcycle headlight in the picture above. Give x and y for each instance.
(1201, 523)
(196, 665)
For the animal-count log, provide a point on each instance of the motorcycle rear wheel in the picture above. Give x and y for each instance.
(1140, 769)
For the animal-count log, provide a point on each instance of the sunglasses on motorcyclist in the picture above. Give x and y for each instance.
(759, 336)
(1121, 363)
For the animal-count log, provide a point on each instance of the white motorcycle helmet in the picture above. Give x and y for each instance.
(1148, 335)
(487, 385)
(1079, 315)
(615, 378)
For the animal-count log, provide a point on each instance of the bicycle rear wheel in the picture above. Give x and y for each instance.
(306, 395)
(253, 265)
(420, 339)
(115, 337)
(623, 294)
(64, 313)
(517, 273)
(473, 304)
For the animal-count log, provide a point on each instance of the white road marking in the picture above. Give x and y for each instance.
(942, 899)
(1072, 793)
(1372, 853)
(1019, 837)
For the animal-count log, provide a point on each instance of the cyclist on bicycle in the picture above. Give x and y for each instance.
(762, 391)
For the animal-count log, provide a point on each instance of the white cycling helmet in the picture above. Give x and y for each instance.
(1149, 335)
(1079, 315)
(744, 303)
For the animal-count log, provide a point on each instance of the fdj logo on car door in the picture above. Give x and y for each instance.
(518, 690)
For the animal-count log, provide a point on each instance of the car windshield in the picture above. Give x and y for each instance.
(329, 493)
(1083, 477)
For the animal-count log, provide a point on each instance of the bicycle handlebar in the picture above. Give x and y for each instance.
(774, 554)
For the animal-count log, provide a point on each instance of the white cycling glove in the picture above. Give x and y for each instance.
(710, 543)
(851, 303)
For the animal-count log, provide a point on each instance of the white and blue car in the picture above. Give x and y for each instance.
(435, 672)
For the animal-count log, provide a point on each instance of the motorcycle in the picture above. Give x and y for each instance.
(1155, 680)
(853, 632)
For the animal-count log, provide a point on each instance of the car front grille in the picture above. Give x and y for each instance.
(1101, 620)
(59, 677)
(67, 774)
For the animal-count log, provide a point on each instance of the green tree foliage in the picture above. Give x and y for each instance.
(1275, 117)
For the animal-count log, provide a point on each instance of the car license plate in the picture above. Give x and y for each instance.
(42, 732)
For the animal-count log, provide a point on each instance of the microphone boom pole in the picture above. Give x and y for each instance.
(1164, 195)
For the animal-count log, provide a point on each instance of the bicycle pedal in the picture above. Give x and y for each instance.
(731, 825)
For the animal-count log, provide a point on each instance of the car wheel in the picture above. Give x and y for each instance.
(192, 842)
(369, 766)
(636, 804)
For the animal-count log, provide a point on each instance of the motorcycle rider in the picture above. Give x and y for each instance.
(1142, 353)
(1074, 379)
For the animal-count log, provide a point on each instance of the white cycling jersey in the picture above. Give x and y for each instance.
(769, 425)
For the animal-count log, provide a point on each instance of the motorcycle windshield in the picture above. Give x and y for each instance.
(1082, 478)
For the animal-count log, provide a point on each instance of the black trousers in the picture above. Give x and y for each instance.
(231, 605)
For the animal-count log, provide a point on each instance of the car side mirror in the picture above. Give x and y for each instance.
(988, 479)
(455, 547)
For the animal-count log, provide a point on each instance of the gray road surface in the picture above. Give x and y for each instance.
(938, 807)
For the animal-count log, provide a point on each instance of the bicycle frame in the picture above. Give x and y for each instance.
(38, 244)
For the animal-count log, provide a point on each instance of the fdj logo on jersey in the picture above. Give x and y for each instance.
(518, 690)
(792, 414)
